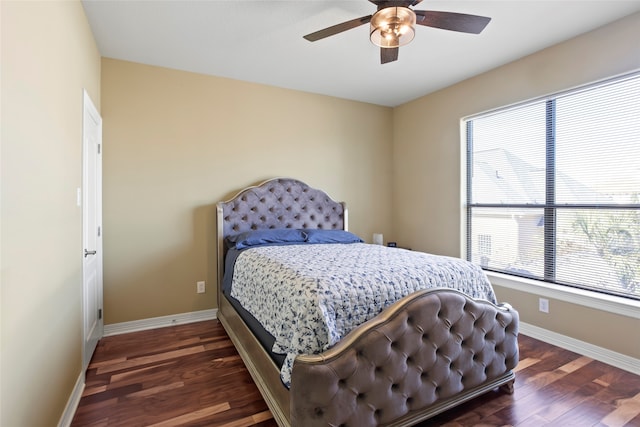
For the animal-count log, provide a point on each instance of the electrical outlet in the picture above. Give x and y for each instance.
(200, 287)
(543, 305)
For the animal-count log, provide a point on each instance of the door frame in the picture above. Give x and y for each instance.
(90, 112)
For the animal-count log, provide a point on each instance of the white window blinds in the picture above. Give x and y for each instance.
(553, 188)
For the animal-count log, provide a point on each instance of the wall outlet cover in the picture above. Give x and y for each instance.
(200, 287)
(543, 305)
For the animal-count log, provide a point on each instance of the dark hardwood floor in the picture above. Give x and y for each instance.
(191, 375)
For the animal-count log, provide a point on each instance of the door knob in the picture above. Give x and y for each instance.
(87, 253)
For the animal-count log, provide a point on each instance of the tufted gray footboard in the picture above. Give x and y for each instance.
(425, 354)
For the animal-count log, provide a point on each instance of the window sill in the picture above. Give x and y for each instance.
(610, 303)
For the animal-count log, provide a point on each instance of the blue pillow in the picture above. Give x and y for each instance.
(267, 236)
(331, 236)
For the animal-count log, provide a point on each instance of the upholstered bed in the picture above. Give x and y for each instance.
(380, 349)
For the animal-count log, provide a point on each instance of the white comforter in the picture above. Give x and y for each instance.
(310, 296)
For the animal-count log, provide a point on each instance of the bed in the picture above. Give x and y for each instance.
(422, 343)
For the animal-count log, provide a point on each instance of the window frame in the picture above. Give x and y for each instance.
(552, 287)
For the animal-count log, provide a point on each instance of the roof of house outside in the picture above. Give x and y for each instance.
(500, 176)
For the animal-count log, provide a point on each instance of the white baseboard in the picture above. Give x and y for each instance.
(604, 355)
(159, 322)
(73, 402)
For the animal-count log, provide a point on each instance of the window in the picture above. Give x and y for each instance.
(553, 188)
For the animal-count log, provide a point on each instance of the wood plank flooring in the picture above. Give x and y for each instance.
(191, 375)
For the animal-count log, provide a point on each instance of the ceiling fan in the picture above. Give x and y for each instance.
(393, 25)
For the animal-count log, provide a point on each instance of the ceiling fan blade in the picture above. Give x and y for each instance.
(394, 3)
(452, 21)
(388, 54)
(338, 28)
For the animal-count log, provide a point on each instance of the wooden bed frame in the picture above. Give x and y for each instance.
(427, 353)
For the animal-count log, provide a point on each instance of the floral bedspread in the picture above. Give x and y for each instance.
(310, 296)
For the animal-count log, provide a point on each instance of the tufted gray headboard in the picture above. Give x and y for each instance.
(277, 203)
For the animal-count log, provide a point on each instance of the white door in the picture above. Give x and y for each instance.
(93, 324)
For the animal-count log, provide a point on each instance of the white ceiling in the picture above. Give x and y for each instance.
(261, 41)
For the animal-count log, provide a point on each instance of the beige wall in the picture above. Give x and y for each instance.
(175, 143)
(427, 167)
(48, 57)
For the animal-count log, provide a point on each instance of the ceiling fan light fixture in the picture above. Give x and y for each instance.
(392, 27)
